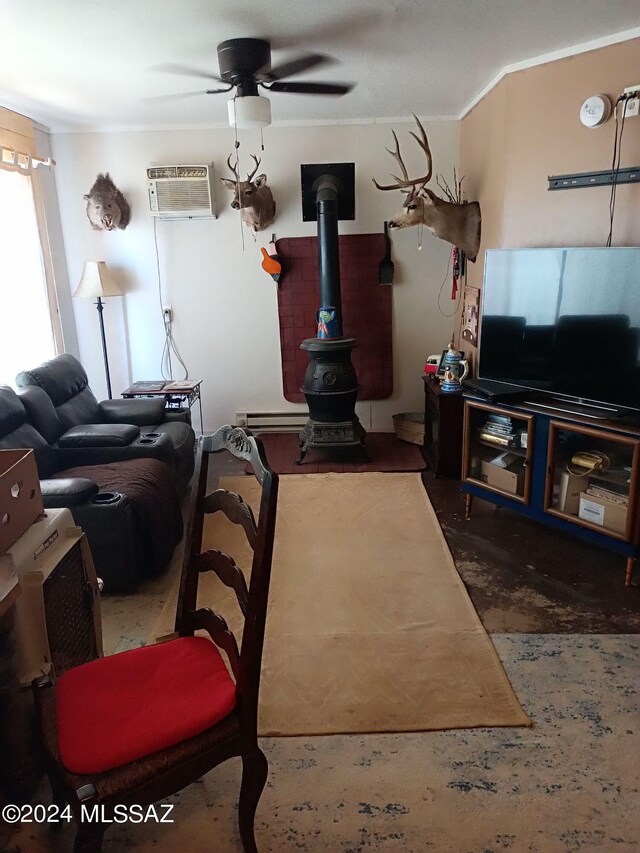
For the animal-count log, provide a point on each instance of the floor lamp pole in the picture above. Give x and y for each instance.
(100, 308)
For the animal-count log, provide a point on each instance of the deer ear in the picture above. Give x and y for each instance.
(260, 181)
(228, 183)
(428, 196)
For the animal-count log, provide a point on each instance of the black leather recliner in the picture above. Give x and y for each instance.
(64, 410)
(132, 535)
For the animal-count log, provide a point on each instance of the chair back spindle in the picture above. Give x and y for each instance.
(252, 597)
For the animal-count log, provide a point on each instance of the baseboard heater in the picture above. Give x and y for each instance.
(272, 421)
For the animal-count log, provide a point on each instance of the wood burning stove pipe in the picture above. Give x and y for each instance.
(326, 188)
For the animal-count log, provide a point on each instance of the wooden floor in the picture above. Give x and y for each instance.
(524, 576)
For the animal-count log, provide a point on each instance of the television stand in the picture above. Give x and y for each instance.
(530, 457)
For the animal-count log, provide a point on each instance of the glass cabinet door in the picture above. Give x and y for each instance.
(589, 478)
(497, 450)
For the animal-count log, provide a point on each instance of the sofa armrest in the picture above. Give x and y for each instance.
(99, 435)
(67, 491)
(146, 446)
(140, 411)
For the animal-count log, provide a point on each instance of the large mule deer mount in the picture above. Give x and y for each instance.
(454, 221)
(252, 197)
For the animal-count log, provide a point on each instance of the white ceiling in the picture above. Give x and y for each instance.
(74, 64)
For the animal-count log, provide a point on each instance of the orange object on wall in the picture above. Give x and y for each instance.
(271, 265)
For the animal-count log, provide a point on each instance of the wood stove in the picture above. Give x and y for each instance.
(330, 382)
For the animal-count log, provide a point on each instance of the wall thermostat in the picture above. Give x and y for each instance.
(595, 110)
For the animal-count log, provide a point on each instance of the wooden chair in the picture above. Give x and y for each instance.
(140, 725)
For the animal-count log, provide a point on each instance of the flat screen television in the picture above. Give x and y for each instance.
(564, 323)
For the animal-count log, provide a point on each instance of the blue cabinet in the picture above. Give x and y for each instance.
(577, 474)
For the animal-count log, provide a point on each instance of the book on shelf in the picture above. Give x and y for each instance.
(491, 438)
(151, 385)
(619, 485)
(605, 494)
(499, 419)
(498, 429)
(180, 385)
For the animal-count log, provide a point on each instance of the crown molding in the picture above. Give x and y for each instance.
(564, 53)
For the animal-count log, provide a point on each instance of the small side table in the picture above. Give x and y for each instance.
(443, 415)
(176, 394)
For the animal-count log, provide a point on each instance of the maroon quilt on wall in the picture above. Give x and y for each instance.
(366, 311)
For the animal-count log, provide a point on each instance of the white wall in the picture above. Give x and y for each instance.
(225, 305)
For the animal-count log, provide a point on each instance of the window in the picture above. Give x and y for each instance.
(26, 331)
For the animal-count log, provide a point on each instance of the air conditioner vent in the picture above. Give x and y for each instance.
(182, 191)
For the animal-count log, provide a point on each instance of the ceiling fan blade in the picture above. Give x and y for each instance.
(310, 88)
(288, 69)
(186, 71)
(161, 99)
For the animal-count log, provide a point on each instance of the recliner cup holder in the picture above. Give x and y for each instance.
(152, 435)
(106, 498)
(147, 441)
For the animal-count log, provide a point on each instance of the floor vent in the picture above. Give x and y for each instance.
(272, 421)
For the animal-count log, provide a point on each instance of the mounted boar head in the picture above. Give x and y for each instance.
(453, 221)
(252, 197)
(107, 208)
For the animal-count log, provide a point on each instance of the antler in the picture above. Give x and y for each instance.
(257, 162)
(409, 182)
(232, 168)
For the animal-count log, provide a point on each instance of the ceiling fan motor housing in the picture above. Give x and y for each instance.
(240, 59)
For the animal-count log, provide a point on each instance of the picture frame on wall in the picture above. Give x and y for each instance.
(470, 315)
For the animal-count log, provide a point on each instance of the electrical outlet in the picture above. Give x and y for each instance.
(167, 313)
(633, 104)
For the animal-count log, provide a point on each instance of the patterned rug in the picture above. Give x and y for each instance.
(570, 784)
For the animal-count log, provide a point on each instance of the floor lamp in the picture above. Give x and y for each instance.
(96, 281)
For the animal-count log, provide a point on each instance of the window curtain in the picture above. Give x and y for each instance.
(17, 144)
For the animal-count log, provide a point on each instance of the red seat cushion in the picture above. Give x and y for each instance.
(120, 708)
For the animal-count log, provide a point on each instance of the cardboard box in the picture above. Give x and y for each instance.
(506, 479)
(20, 495)
(604, 513)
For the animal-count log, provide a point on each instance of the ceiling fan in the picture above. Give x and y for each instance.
(245, 65)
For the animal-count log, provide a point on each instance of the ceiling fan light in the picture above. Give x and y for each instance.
(249, 111)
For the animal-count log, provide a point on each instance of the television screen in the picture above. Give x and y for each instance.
(565, 322)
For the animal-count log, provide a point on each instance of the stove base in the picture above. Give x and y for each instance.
(326, 435)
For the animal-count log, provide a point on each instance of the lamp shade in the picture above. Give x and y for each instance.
(249, 111)
(96, 281)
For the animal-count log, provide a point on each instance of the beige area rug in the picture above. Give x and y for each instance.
(370, 628)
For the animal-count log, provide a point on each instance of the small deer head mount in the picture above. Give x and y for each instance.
(455, 221)
(107, 208)
(252, 197)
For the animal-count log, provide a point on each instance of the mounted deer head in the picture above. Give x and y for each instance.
(454, 221)
(253, 198)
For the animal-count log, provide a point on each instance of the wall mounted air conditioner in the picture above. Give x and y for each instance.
(181, 192)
